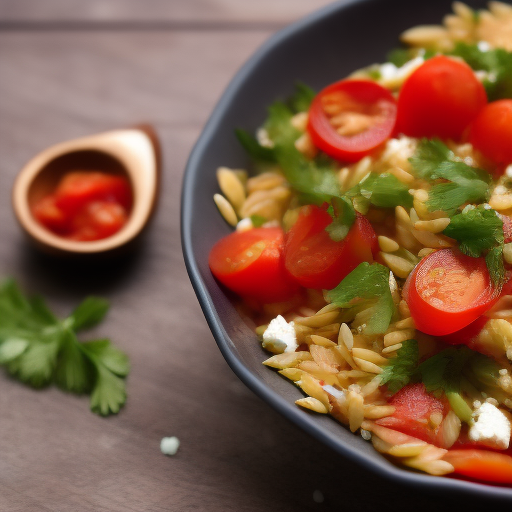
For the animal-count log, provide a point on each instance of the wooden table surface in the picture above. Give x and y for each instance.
(69, 68)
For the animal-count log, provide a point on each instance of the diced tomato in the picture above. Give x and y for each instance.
(86, 206)
(351, 118)
(414, 408)
(507, 228)
(314, 260)
(485, 465)
(251, 263)
(47, 213)
(76, 189)
(447, 291)
(491, 132)
(439, 99)
(98, 220)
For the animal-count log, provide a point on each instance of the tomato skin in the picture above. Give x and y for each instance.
(85, 206)
(447, 291)
(467, 335)
(97, 220)
(77, 189)
(316, 261)
(261, 276)
(359, 97)
(485, 465)
(491, 132)
(439, 99)
(413, 408)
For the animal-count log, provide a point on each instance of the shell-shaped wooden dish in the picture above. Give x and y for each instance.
(133, 153)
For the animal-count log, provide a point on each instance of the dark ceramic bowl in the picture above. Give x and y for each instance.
(318, 50)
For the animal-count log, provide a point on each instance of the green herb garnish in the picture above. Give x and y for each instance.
(38, 349)
(366, 286)
(479, 232)
(343, 215)
(401, 368)
(461, 184)
(497, 63)
(383, 191)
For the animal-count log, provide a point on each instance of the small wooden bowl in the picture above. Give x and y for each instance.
(133, 153)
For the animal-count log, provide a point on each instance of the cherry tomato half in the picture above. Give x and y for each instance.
(351, 118)
(447, 291)
(251, 264)
(491, 132)
(439, 99)
(316, 261)
(97, 220)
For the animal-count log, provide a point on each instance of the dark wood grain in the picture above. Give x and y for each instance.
(236, 453)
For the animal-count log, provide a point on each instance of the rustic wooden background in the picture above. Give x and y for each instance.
(70, 68)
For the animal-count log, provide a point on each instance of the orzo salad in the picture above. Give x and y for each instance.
(373, 246)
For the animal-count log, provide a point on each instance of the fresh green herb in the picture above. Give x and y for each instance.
(39, 349)
(301, 100)
(497, 63)
(402, 368)
(253, 148)
(461, 183)
(258, 220)
(383, 191)
(343, 215)
(366, 286)
(443, 372)
(399, 56)
(479, 232)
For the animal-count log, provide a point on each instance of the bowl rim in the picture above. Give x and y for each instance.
(289, 410)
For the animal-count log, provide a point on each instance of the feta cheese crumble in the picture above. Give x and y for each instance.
(279, 336)
(169, 445)
(491, 427)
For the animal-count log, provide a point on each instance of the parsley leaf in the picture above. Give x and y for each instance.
(401, 369)
(344, 215)
(461, 183)
(253, 148)
(258, 220)
(383, 191)
(301, 100)
(366, 286)
(38, 349)
(496, 62)
(479, 232)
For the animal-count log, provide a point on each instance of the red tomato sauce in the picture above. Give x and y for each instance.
(86, 206)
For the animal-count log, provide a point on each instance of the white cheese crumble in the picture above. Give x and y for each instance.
(244, 224)
(169, 445)
(392, 76)
(491, 427)
(279, 336)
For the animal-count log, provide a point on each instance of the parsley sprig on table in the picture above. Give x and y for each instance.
(39, 349)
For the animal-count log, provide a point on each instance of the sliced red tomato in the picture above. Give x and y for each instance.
(439, 99)
(316, 261)
(447, 291)
(251, 263)
(491, 132)
(413, 410)
(507, 228)
(77, 189)
(351, 118)
(97, 220)
(48, 214)
(467, 335)
(485, 465)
